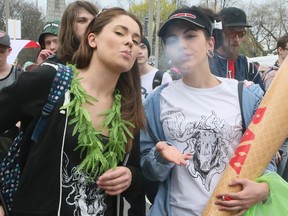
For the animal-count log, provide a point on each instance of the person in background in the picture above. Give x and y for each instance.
(8, 75)
(75, 19)
(268, 76)
(48, 40)
(227, 62)
(29, 66)
(59, 175)
(151, 77)
(282, 51)
(194, 125)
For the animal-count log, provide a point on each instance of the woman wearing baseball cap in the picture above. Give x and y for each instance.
(194, 125)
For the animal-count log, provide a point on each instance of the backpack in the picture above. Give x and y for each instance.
(18, 71)
(10, 171)
(252, 73)
(157, 80)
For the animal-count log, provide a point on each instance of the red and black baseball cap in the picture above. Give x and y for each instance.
(192, 15)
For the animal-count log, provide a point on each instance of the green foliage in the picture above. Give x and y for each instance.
(31, 18)
(98, 157)
(141, 10)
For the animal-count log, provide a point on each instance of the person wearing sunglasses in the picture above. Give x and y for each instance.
(227, 62)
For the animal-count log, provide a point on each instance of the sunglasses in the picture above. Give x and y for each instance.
(100, 12)
(232, 34)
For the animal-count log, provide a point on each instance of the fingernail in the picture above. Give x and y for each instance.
(226, 198)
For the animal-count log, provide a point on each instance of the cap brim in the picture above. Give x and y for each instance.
(237, 25)
(164, 27)
(7, 45)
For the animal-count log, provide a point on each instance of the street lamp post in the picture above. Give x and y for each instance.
(157, 28)
(150, 21)
(7, 12)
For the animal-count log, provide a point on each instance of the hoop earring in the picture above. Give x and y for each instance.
(210, 53)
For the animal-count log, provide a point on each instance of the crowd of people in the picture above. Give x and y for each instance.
(123, 129)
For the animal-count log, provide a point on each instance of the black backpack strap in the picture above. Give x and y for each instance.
(240, 97)
(157, 80)
(60, 85)
(17, 71)
(252, 71)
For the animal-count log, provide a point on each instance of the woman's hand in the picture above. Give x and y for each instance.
(115, 181)
(251, 193)
(172, 154)
(2, 213)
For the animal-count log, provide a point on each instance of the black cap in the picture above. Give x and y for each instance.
(233, 17)
(4, 39)
(189, 15)
(146, 42)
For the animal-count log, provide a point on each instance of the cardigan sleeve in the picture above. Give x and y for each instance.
(23, 100)
(154, 167)
(133, 164)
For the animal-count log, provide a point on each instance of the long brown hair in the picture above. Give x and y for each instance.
(68, 41)
(129, 82)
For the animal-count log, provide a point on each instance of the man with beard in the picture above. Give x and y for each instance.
(76, 17)
(227, 62)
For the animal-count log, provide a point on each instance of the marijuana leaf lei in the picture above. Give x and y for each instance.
(99, 157)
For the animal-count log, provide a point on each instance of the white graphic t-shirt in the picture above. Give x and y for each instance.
(207, 123)
(147, 82)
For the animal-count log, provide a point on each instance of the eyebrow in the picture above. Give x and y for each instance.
(81, 17)
(126, 29)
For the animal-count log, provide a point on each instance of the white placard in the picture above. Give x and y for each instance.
(14, 28)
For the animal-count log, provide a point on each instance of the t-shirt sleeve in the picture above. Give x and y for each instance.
(166, 78)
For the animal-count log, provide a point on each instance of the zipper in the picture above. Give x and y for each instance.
(67, 100)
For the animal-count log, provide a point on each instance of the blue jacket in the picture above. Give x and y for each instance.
(219, 67)
(154, 167)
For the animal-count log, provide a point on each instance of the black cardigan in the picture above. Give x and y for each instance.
(39, 188)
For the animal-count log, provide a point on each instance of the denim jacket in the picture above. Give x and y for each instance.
(219, 67)
(154, 167)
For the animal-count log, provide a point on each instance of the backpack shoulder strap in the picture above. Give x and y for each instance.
(17, 71)
(157, 80)
(251, 72)
(61, 83)
(240, 97)
(251, 69)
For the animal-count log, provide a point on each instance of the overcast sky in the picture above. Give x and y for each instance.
(123, 3)
(104, 3)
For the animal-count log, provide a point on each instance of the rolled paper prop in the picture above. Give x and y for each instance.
(260, 142)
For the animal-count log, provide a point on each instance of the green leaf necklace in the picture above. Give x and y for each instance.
(99, 157)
